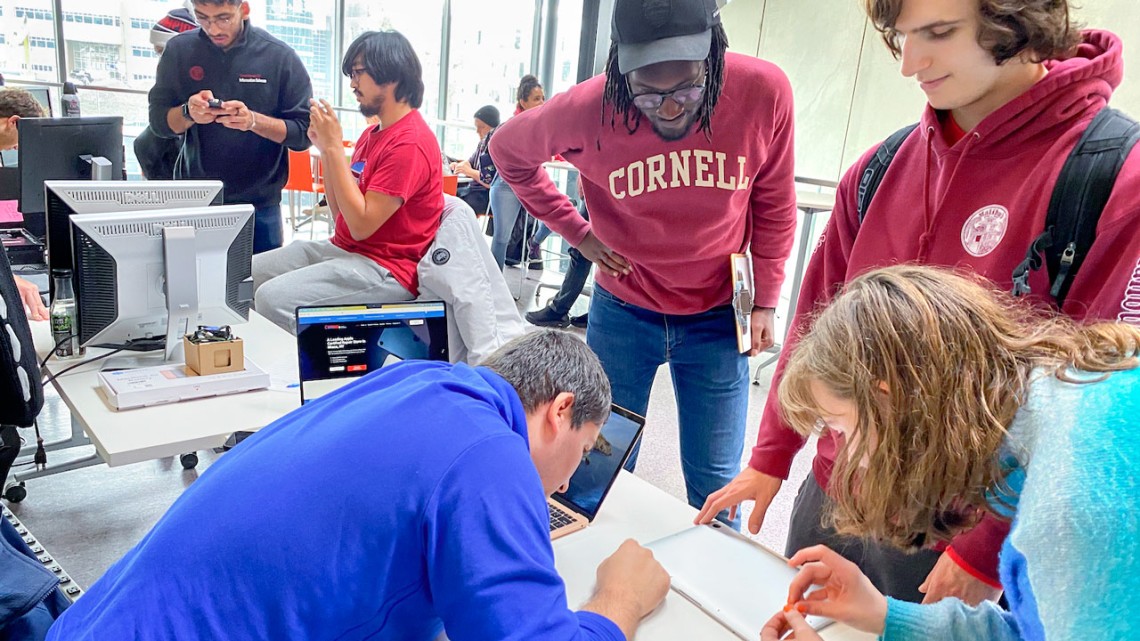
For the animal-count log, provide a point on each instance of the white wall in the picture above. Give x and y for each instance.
(848, 91)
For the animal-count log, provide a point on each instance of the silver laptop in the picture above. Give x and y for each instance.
(575, 508)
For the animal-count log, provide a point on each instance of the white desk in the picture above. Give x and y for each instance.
(636, 510)
(131, 436)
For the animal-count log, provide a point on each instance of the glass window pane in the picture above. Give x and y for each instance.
(566, 46)
(24, 52)
(420, 23)
(489, 52)
(307, 27)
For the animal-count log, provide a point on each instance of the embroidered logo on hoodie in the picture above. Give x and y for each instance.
(1130, 306)
(983, 232)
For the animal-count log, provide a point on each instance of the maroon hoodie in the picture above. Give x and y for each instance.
(977, 205)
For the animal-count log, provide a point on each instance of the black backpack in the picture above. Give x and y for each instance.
(1079, 196)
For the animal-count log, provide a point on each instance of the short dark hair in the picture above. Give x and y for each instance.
(218, 3)
(17, 102)
(388, 57)
(1042, 28)
(527, 84)
(542, 364)
(618, 95)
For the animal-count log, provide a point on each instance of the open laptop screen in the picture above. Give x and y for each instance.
(339, 344)
(597, 472)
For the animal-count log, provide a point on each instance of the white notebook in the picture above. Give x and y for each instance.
(732, 578)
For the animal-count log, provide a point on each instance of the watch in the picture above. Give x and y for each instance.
(186, 111)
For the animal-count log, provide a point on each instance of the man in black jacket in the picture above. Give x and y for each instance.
(260, 92)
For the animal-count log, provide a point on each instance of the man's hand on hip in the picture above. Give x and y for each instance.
(605, 258)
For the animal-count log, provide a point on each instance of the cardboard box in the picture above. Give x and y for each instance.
(216, 357)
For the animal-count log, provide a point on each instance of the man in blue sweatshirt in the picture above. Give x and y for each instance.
(405, 503)
(263, 91)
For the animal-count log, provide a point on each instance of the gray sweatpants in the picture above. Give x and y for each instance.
(895, 573)
(307, 272)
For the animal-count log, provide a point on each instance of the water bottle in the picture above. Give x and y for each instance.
(70, 100)
(64, 328)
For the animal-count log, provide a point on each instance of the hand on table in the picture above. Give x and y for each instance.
(33, 303)
(749, 485)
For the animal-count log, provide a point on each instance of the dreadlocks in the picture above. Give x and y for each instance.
(617, 89)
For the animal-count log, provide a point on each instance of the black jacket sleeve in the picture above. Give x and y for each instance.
(293, 103)
(164, 94)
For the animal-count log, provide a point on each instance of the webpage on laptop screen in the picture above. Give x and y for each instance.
(337, 345)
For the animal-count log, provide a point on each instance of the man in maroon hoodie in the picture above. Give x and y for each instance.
(1011, 86)
(685, 154)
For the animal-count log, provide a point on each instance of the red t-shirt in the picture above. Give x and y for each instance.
(952, 132)
(403, 161)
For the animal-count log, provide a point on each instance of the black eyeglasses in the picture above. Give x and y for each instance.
(356, 72)
(652, 100)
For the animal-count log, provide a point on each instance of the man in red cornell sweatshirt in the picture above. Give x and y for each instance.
(685, 154)
(1011, 86)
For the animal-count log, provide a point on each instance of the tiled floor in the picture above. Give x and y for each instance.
(88, 518)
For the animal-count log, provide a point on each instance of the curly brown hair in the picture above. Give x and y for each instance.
(17, 102)
(956, 359)
(1007, 29)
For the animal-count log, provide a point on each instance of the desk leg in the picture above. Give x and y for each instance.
(806, 239)
(77, 464)
(77, 439)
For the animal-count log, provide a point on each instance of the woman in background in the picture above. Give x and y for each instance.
(951, 401)
(505, 206)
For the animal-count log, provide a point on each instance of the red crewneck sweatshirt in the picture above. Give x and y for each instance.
(675, 209)
(977, 205)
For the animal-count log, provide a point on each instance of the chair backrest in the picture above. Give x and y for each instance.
(300, 172)
(451, 185)
(460, 270)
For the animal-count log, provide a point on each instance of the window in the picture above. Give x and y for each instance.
(307, 27)
(28, 49)
(487, 50)
(566, 46)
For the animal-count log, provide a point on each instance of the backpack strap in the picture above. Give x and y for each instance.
(1083, 188)
(873, 174)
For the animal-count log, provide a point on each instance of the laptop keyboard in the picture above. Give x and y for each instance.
(558, 517)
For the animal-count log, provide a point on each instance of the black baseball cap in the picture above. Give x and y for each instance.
(652, 31)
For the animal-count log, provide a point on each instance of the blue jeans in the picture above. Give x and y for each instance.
(268, 232)
(710, 380)
(505, 207)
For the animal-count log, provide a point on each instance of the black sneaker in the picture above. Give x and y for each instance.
(580, 321)
(547, 317)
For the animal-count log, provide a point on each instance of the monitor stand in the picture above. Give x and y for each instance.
(180, 264)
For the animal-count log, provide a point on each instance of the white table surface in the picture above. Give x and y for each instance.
(131, 436)
(635, 509)
(815, 200)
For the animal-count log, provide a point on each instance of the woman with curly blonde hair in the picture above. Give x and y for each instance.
(950, 402)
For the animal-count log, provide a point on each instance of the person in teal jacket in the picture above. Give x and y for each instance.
(952, 401)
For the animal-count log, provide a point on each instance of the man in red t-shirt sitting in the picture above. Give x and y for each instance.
(387, 203)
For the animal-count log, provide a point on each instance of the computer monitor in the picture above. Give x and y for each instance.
(65, 198)
(160, 273)
(88, 148)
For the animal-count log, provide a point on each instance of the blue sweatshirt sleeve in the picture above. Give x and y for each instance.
(947, 620)
(490, 561)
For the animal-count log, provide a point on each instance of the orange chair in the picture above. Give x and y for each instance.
(451, 185)
(300, 181)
